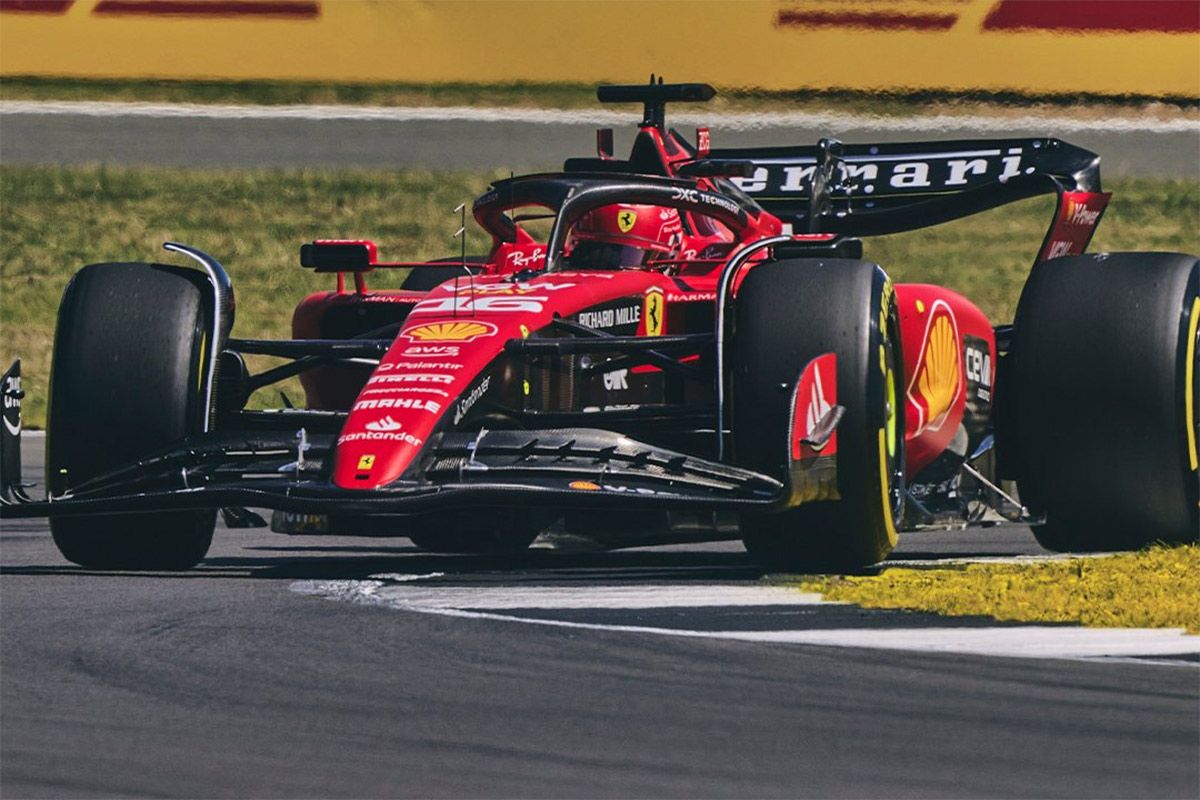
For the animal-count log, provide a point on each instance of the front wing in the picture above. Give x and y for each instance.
(568, 468)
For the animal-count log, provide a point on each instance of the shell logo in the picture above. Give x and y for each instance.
(450, 331)
(939, 373)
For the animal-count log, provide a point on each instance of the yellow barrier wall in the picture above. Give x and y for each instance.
(1147, 47)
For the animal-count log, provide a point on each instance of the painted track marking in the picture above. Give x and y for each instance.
(503, 603)
(591, 117)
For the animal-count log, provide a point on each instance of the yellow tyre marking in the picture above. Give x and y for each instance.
(201, 372)
(889, 525)
(1188, 382)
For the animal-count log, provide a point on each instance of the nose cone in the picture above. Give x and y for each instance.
(428, 366)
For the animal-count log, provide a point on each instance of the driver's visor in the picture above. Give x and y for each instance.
(606, 255)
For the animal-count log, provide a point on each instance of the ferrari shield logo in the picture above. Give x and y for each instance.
(652, 312)
(365, 463)
(626, 220)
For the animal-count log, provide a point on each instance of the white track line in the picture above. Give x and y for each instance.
(1026, 641)
(592, 117)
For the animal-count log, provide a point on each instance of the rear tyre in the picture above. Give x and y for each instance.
(483, 531)
(787, 313)
(1103, 400)
(130, 353)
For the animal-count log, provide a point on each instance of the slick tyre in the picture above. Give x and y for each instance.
(786, 314)
(126, 379)
(1102, 400)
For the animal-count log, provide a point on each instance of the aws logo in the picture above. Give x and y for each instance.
(938, 378)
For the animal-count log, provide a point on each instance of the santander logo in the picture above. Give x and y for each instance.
(384, 425)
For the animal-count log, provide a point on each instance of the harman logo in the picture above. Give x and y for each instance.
(382, 425)
(450, 332)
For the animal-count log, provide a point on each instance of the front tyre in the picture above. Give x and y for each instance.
(786, 314)
(130, 354)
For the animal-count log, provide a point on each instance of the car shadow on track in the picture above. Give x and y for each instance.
(351, 562)
(345, 558)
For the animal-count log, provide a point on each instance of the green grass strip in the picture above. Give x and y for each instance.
(1155, 588)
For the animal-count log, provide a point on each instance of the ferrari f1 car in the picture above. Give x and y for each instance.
(695, 350)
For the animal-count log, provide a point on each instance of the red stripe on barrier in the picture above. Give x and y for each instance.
(869, 20)
(1129, 16)
(294, 9)
(36, 6)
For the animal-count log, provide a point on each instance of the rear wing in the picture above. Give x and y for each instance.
(874, 189)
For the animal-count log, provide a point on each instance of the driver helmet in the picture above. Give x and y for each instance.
(624, 236)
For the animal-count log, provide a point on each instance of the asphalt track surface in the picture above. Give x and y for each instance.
(28, 137)
(230, 680)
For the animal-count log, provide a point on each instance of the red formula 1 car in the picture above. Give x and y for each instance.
(697, 350)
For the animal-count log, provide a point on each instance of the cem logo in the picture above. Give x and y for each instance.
(978, 363)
